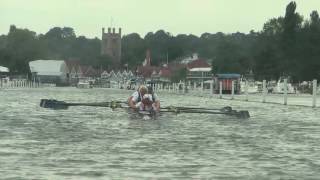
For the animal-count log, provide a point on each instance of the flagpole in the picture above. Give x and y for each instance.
(167, 58)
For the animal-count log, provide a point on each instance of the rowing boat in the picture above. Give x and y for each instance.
(54, 104)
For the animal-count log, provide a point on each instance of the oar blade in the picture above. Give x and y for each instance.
(53, 104)
(226, 109)
(243, 114)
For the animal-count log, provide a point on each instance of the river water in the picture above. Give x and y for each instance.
(277, 142)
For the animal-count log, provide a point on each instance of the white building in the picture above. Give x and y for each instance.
(4, 69)
(4, 79)
(199, 71)
(188, 59)
(50, 71)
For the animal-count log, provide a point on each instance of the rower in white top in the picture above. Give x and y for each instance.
(144, 99)
(146, 104)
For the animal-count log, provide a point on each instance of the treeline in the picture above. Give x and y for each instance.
(288, 45)
(22, 45)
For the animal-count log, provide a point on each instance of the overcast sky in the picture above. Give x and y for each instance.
(87, 17)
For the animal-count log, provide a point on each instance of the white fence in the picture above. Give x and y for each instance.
(202, 90)
(207, 90)
(284, 98)
(20, 83)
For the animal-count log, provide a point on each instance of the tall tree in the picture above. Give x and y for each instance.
(158, 43)
(291, 27)
(22, 46)
(133, 50)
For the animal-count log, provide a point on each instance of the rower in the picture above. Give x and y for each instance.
(136, 97)
(146, 103)
(155, 99)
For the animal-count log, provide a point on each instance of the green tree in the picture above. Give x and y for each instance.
(309, 49)
(158, 43)
(291, 27)
(133, 50)
(21, 47)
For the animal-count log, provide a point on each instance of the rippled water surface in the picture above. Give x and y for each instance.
(277, 142)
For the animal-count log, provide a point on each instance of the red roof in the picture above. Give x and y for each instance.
(165, 72)
(89, 71)
(199, 63)
(176, 66)
(146, 71)
(86, 70)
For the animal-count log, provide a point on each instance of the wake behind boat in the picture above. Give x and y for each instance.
(147, 115)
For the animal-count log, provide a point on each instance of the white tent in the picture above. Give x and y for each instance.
(208, 81)
(48, 67)
(50, 71)
(4, 69)
(201, 69)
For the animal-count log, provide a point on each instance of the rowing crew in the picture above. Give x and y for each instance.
(144, 99)
(147, 104)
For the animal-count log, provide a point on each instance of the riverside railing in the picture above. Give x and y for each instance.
(263, 96)
(285, 97)
(20, 83)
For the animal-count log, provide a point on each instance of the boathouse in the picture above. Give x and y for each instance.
(199, 71)
(226, 80)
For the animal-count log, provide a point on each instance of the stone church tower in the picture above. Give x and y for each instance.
(111, 44)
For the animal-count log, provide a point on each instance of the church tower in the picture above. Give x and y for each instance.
(111, 44)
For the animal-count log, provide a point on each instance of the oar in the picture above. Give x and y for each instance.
(54, 104)
(239, 114)
(224, 109)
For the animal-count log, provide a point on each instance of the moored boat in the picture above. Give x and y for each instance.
(280, 87)
(84, 84)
